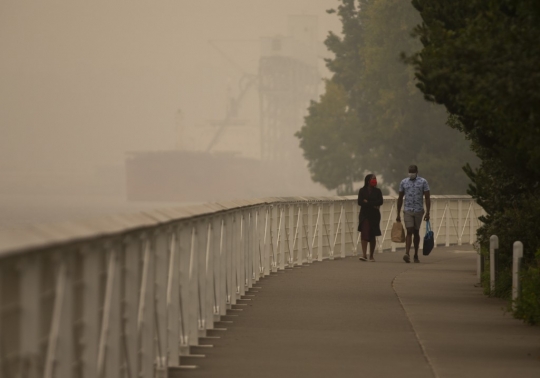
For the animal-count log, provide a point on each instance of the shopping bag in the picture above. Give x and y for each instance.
(428, 240)
(398, 233)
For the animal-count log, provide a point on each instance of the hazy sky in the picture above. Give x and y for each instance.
(83, 82)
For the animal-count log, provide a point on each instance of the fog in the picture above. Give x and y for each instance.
(82, 84)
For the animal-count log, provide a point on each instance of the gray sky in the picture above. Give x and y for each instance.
(83, 82)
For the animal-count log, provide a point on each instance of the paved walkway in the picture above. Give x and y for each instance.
(347, 318)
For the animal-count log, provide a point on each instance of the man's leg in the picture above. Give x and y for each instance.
(416, 243)
(408, 240)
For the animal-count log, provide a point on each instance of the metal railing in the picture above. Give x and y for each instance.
(128, 295)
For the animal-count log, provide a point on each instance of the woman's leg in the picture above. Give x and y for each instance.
(364, 247)
(372, 244)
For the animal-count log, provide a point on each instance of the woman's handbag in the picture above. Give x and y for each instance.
(398, 233)
(428, 240)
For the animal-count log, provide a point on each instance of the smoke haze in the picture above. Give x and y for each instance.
(82, 83)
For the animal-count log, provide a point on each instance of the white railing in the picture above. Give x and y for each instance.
(128, 295)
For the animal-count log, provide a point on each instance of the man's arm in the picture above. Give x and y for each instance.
(399, 204)
(428, 205)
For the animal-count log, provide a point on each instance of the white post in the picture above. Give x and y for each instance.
(343, 229)
(447, 220)
(493, 246)
(435, 208)
(355, 227)
(320, 231)
(472, 232)
(518, 255)
(460, 220)
(309, 236)
(331, 227)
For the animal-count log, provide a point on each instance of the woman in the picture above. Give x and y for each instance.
(370, 199)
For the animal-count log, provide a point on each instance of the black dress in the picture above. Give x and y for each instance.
(369, 212)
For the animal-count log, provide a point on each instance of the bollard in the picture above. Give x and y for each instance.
(479, 261)
(516, 264)
(493, 246)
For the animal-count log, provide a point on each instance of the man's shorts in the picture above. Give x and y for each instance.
(412, 219)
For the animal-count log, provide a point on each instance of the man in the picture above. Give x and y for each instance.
(414, 188)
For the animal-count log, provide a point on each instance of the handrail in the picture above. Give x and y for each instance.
(128, 295)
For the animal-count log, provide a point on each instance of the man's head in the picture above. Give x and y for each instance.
(413, 171)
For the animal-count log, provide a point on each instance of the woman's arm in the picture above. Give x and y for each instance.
(379, 200)
(363, 199)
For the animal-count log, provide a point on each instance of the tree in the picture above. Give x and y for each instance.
(372, 117)
(480, 60)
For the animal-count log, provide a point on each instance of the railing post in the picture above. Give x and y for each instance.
(282, 227)
(131, 282)
(355, 227)
(215, 269)
(516, 265)
(60, 321)
(447, 220)
(435, 210)
(320, 231)
(209, 294)
(343, 229)
(199, 276)
(292, 223)
(267, 265)
(107, 350)
(162, 257)
(310, 230)
(493, 247)
(300, 232)
(221, 276)
(91, 269)
(240, 254)
(192, 302)
(471, 225)
(331, 227)
(29, 329)
(145, 311)
(460, 220)
(186, 238)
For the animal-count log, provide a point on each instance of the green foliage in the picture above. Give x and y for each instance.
(371, 117)
(528, 303)
(480, 59)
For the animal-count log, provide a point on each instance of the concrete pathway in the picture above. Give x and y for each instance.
(347, 318)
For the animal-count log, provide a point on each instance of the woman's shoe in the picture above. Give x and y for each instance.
(362, 259)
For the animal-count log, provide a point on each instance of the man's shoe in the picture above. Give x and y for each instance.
(406, 258)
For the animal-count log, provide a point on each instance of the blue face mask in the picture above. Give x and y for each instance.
(412, 176)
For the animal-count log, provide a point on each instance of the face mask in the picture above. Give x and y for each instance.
(373, 182)
(412, 176)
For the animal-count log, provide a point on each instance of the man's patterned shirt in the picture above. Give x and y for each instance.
(414, 193)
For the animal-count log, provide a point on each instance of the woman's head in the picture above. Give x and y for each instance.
(370, 180)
